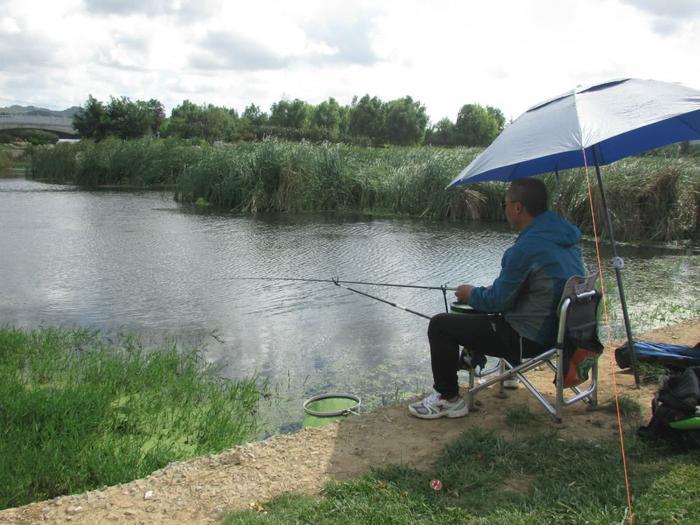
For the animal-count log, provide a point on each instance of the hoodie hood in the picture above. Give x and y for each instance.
(551, 227)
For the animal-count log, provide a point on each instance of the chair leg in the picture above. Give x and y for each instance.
(594, 395)
(470, 392)
(501, 371)
(559, 403)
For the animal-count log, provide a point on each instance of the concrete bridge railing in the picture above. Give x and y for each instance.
(48, 123)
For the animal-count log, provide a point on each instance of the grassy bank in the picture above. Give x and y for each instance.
(77, 413)
(529, 479)
(654, 198)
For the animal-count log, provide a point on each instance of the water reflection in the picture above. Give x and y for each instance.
(135, 262)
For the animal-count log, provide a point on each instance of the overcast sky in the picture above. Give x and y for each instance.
(508, 54)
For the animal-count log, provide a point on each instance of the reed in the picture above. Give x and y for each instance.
(144, 163)
(77, 413)
(4, 163)
(652, 197)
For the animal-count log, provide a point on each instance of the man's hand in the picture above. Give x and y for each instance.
(463, 293)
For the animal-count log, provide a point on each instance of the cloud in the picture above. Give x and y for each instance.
(184, 10)
(348, 36)
(137, 43)
(220, 50)
(130, 7)
(669, 15)
(123, 51)
(19, 51)
(337, 40)
(680, 9)
(8, 26)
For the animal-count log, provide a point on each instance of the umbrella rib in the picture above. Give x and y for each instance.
(578, 120)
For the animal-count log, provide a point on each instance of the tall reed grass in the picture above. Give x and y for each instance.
(77, 413)
(136, 163)
(4, 163)
(653, 197)
(650, 198)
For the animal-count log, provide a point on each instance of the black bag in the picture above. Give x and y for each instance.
(675, 401)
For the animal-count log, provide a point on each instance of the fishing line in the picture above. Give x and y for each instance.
(609, 338)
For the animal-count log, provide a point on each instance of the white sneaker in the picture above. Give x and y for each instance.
(435, 406)
(511, 383)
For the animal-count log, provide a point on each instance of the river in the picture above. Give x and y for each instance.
(139, 263)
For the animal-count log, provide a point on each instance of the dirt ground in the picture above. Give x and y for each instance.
(199, 490)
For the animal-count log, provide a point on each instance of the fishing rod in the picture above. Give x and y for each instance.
(395, 305)
(342, 284)
(336, 281)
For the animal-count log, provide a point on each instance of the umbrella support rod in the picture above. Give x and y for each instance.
(617, 265)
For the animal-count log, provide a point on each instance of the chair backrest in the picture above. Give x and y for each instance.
(582, 316)
(578, 331)
(578, 309)
(577, 284)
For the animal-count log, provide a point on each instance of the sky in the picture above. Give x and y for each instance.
(509, 54)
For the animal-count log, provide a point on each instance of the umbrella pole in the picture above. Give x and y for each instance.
(617, 265)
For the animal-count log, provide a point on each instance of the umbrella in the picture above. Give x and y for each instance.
(591, 126)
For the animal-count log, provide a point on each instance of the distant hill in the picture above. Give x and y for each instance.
(36, 111)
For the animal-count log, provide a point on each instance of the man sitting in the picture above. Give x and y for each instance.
(515, 317)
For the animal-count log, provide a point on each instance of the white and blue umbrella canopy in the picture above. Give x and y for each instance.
(619, 118)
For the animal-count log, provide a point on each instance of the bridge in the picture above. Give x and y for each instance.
(57, 124)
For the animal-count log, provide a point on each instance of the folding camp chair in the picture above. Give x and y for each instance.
(577, 350)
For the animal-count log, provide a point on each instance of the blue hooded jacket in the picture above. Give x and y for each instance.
(533, 273)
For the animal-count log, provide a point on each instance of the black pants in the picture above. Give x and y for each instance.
(480, 333)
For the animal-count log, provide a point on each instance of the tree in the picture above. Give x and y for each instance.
(211, 123)
(441, 133)
(498, 115)
(328, 117)
(404, 121)
(366, 118)
(290, 114)
(127, 119)
(156, 115)
(121, 117)
(475, 126)
(254, 115)
(91, 120)
(186, 121)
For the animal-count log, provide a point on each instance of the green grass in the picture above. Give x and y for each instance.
(525, 480)
(519, 416)
(77, 413)
(652, 373)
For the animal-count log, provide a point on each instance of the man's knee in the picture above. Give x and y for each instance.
(437, 323)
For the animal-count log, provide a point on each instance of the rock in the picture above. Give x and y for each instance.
(148, 494)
